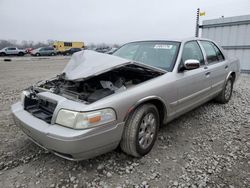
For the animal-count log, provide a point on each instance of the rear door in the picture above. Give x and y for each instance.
(217, 65)
(46, 51)
(50, 50)
(42, 51)
(193, 85)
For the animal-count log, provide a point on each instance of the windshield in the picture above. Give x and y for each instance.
(160, 54)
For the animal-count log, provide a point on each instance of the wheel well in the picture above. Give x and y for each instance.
(159, 105)
(161, 108)
(233, 75)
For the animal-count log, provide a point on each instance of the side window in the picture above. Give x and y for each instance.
(212, 52)
(192, 50)
(68, 44)
(218, 52)
(11, 48)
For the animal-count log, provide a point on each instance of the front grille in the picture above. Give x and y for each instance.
(40, 108)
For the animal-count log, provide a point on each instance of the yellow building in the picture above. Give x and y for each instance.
(61, 46)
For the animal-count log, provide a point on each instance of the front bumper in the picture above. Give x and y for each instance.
(65, 142)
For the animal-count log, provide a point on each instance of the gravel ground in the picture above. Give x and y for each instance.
(207, 147)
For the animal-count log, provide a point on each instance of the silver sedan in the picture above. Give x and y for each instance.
(100, 101)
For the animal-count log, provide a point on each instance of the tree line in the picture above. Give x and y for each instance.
(24, 44)
(31, 44)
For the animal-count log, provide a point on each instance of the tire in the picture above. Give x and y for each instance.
(21, 54)
(2, 54)
(226, 93)
(37, 54)
(140, 132)
(53, 54)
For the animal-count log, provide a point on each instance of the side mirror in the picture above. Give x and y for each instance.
(191, 64)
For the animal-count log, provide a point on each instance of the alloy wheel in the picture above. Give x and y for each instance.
(147, 130)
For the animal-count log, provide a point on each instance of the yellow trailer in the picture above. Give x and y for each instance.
(61, 46)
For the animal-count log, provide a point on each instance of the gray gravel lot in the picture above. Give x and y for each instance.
(207, 147)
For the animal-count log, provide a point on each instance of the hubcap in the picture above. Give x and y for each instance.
(147, 130)
(228, 89)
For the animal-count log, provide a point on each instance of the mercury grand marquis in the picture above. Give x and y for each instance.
(100, 102)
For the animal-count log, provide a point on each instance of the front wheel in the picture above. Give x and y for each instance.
(140, 131)
(226, 93)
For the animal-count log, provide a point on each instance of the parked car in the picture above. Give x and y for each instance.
(101, 101)
(12, 51)
(71, 51)
(102, 49)
(44, 51)
(111, 51)
(28, 50)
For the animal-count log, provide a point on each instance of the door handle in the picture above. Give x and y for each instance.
(207, 73)
(226, 67)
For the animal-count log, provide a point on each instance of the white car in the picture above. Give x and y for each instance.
(12, 51)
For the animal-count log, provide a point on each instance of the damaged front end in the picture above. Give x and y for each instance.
(97, 87)
(87, 78)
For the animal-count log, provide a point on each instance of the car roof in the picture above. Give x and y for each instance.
(172, 40)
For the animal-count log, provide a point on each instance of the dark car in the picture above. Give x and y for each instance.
(71, 51)
(111, 51)
(102, 49)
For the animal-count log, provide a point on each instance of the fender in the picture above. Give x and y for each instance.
(144, 100)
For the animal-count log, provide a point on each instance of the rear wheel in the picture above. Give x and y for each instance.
(140, 131)
(37, 54)
(21, 54)
(2, 54)
(53, 54)
(226, 93)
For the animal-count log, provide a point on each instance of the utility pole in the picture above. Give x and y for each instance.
(197, 23)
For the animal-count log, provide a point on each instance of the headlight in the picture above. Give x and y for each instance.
(23, 95)
(84, 120)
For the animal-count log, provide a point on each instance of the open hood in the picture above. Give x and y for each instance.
(89, 63)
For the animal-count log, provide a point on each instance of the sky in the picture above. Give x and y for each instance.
(109, 21)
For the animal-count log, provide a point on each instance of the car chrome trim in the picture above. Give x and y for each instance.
(217, 84)
(193, 95)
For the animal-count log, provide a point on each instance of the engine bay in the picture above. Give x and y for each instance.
(97, 87)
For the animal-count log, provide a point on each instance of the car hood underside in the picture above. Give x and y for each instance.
(88, 63)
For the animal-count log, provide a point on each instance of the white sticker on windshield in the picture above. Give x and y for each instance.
(163, 46)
